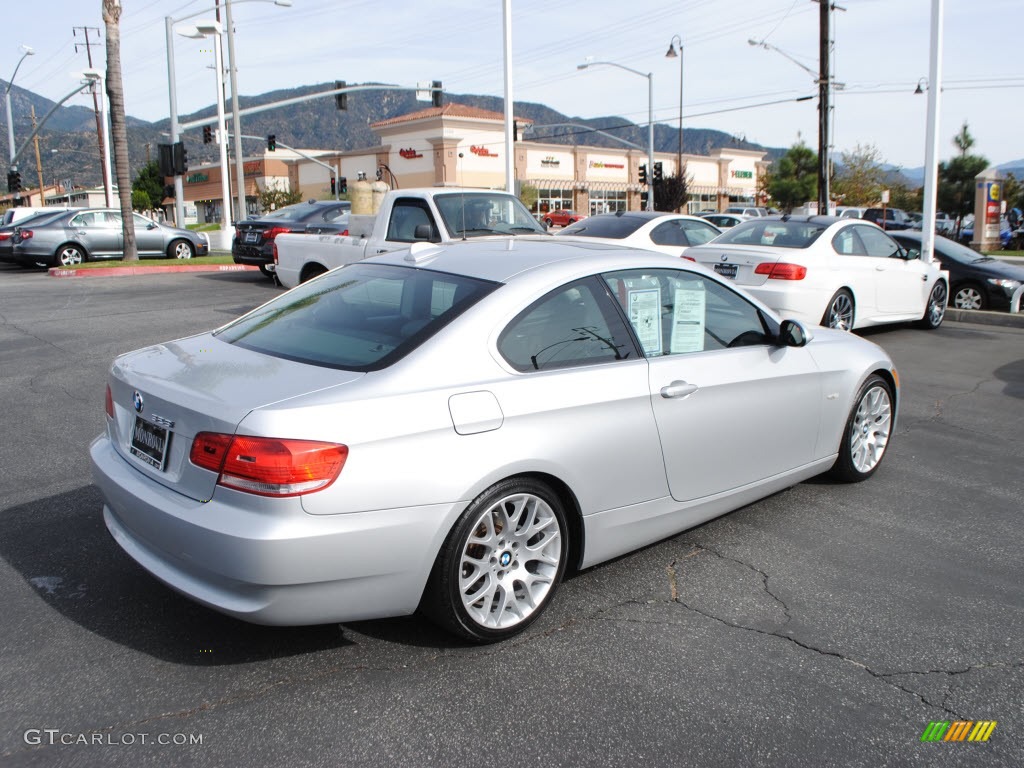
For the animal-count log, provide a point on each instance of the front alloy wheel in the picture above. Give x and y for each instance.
(502, 562)
(968, 297)
(867, 432)
(936, 308)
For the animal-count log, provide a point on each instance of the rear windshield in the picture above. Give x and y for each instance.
(36, 219)
(615, 227)
(303, 211)
(774, 232)
(362, 317)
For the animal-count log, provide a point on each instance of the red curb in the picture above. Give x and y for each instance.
(125, 271)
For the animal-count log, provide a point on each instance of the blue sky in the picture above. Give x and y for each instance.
(881, 54)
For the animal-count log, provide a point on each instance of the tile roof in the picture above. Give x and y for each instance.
(448, 110)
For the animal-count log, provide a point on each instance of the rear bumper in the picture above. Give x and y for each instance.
(252, 255)
(271, 563)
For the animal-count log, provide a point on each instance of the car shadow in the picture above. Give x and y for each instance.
(61, 548)
(1013, 375)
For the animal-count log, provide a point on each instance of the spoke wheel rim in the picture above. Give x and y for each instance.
(872, 423)
(840, 314)
(510, 561)
(70, 256)
(967, 298)
(182, 251)
(937, 305)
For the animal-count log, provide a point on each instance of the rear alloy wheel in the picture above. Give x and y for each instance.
(968, 296)
(936, 308)
(181, 249)
(266, 270)
(501, 564)
(840, 312)
(69, 255)
(548, 222)
(867, 432)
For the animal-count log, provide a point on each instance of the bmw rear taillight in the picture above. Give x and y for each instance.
(269, 466)
(782, 271)
(6, 235)
(109, 405)
(273, 232)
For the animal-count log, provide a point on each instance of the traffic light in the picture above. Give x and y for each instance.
(207, 134)
(14, 182)
(658, 175)
(643, 200)
(334, 186)
(180, 157)
(643, 173)
(165, 153)
(340, 99)
(168, 190)
(436, 97)
(272, 143)
(342, 185)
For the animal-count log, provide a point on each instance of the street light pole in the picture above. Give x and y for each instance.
(671, 54)
(650, 118)
(95, 78)
(27, 51)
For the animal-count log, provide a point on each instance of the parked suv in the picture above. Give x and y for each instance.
(892, 219)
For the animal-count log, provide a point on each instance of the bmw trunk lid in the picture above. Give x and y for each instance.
(736, 262)
(164, 395)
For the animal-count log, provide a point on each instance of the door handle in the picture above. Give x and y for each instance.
(678, 389)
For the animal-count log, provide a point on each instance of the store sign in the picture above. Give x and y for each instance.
(250, 169)
(482, 151)
(599, 164)
(550, 162)
(197, 178)
(742, 174)
(409, 154)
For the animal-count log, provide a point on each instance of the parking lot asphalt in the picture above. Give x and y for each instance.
(826, 625)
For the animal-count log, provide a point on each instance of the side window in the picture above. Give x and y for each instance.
(697, 232)
(573, 325)
(877, 243)
(846, 243)
(330, 214)
(669, 233)
(406, 215)
(678, 312)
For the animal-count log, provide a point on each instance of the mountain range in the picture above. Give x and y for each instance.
(69, 146)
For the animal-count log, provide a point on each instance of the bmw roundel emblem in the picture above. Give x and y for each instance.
(137, 401)
(506, 558)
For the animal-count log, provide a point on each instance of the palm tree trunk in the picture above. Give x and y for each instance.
(118, 128)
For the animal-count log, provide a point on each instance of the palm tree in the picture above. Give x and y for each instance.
(118, 129)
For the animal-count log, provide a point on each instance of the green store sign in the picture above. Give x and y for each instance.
(197, 178)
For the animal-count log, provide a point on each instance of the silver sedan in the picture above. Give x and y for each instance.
(453, 427)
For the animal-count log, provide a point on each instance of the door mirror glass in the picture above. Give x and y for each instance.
(792, 333)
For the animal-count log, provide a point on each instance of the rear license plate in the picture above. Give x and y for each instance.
(252, 237)
(149, 443)
(726, 270)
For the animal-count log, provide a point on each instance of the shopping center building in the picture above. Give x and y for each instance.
(459, 145)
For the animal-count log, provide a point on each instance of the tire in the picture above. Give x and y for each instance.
(548, 222)
(867, 432)
(501, 563)
(841, 311)
(181, 249)
(968, 296)
(266, 270)
(68, 255)
(314, 270)
(936, 309)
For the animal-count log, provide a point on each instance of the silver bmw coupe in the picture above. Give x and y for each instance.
(450, 428)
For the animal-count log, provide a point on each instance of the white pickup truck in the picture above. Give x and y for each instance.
(407, 216)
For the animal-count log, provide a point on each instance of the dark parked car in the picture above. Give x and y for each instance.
(96, 233)
(889, 219)
(1005, 233)
(976, 281)
(253, 243)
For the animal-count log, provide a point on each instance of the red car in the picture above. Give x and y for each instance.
(562, 218)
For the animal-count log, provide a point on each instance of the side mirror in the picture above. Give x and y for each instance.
(422, 232)
(913, 254)
(151, 225)
(793, 333)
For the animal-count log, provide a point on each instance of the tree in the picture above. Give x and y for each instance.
(118, 127)
(795, 180)
(151, 183)
(141, 200)
(672, 192)
(529, 195)
(955, 192)
(861, 178)
(963, 140)
(272, 198)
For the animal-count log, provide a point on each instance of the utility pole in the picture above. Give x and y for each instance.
(39, 161)
(824, 81)
(95, 103)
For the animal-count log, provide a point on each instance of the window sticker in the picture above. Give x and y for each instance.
(645, 315)
(688, 320)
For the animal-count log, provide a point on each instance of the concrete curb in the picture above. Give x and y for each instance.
(977, 317)
(126, 271)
